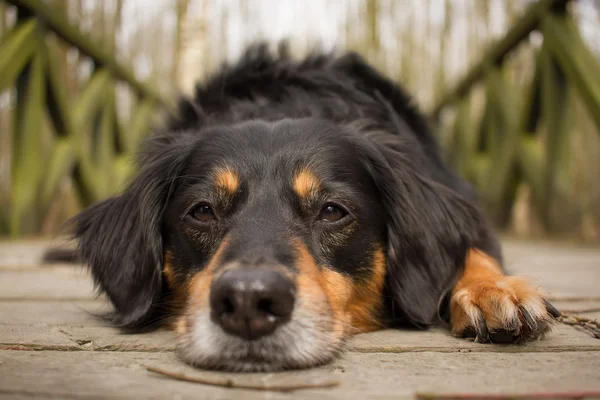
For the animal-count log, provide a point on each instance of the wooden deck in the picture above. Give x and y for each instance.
(52, 346)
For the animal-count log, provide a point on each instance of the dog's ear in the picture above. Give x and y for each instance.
(430, 229)
(120, 238)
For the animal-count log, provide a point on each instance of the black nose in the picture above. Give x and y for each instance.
(251, 302)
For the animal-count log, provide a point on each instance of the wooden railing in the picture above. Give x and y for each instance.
(506, 146)
(55, 137)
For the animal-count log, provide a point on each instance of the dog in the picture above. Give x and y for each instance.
(291, 204)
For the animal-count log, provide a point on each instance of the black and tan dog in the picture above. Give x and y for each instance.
(290, 206)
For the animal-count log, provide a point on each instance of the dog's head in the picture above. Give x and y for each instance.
(277, 240)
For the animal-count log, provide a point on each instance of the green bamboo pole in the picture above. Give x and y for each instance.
(502, 177)
(461, 137)
(530, 153)
(27, 155)
(139, 124)
(3, 28)
(532, 166)
(16, 50)
(105, 150)
(575, 60)
(496, 53)
(57, 23)
(556, 114)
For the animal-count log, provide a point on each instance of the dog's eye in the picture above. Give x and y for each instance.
(203, 213)
(332, 213)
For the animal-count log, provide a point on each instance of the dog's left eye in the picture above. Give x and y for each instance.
(203, 213)
(332, 213)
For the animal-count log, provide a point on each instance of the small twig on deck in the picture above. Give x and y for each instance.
(229, 383)
(530, 396)
(590, 325)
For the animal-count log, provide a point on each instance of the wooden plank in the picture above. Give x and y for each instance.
(54, 312)
(16, 51)
(59, 283)
(102, 337)
(65, 375)
(21, 254)
(560, 269)
(561, 338)
(86, 338)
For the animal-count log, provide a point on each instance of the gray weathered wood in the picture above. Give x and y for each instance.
(53, 346)
(122, 375)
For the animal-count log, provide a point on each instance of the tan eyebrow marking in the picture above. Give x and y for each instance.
(306, 184)
(227, 179)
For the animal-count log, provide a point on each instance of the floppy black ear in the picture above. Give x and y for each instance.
(120, 238)
(430, 228)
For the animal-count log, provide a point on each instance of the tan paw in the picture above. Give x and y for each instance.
(500, 309)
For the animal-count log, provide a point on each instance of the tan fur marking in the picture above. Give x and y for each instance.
(168, 269)
(306, 184)
(198, 290)
(483, 290)
(179, 293)
(367, 301)
(316, 287)
(355, 308)
(227, 179)
(338, 289)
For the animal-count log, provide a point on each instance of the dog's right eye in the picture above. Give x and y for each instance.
(332, 213)
(202, 213)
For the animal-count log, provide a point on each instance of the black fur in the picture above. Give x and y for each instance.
(430, 217)
(121, 238)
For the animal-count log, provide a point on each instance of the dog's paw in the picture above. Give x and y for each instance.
(500, 309)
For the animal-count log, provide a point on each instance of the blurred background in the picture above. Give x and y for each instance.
(512, 88)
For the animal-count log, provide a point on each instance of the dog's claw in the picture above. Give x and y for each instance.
(529, 320)
(553, 311)
(479, 331)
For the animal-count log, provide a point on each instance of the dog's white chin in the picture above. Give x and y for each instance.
(303, 342)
